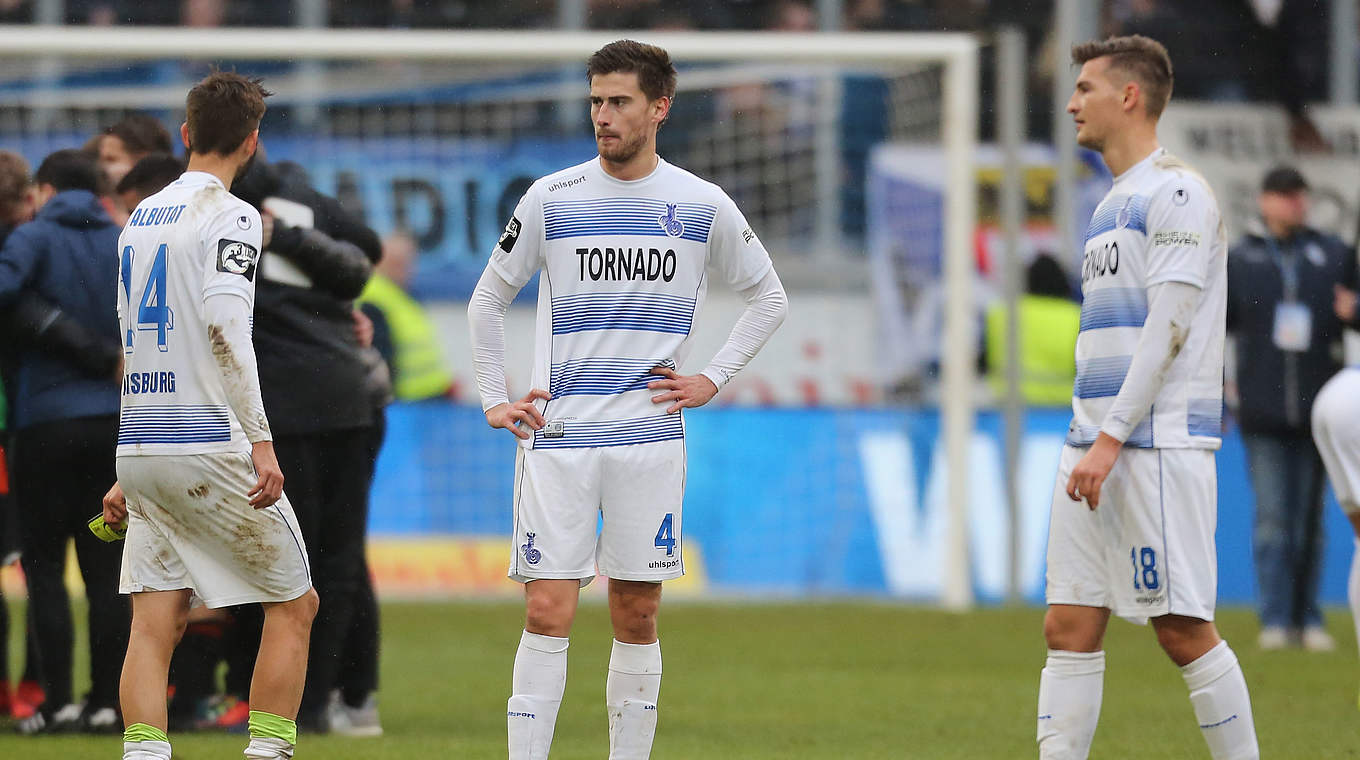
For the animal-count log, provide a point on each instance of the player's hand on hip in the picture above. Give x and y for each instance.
(1092, 470)
(520, 415)
(115, 505)
(681, 390)
(269, 487)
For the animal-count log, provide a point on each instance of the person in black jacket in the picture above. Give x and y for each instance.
(64, 425)
(1289, 295)
(316, 386)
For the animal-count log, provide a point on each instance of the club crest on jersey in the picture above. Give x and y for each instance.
(670, 223)
(235, 257)
(1125, 215)
(531, 554)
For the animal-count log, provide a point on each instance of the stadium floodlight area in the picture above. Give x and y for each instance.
(439, 132)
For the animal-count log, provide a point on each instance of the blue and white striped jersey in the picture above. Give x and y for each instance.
(624, 273)
(1159, 223)
(189, 241)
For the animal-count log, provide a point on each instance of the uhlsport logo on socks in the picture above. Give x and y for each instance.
(513, 714)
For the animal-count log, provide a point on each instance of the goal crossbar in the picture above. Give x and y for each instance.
(956, 53)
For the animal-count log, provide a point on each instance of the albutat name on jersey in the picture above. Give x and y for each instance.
(1099, 261)
(150, 217)
(137, 383)
(627, 264)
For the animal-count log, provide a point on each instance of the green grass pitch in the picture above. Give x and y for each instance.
(827, 680)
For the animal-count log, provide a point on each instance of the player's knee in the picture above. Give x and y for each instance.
(1185, 640)
(547, 615)
(633, 612)
(164, 630)
(300, 611)
(1068, 633)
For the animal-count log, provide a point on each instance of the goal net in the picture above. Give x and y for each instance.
(439, 133)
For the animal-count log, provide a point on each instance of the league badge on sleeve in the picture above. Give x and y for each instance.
(235, 257)
(510, 236)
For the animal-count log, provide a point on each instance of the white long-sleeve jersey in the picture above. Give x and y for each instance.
(1158, 224)
(186, 290)
(624, 274)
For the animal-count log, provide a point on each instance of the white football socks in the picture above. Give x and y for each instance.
(268, 748)
(1070, 689)
(146, 750)
(1218, 693)
(539, 679)
(631, 692)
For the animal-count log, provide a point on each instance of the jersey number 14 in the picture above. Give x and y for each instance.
(154, 312)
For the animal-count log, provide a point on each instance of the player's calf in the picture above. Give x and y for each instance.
(633, 686)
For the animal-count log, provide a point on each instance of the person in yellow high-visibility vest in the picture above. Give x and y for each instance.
(1049, 322)
(403, 332)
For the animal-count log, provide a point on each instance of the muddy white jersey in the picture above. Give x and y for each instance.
(190, 241)
(1159, 223)
(624, 274)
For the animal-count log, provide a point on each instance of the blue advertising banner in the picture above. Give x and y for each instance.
(809, 502)
(453, 196)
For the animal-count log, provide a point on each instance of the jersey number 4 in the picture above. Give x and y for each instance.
(665, 536)
(154, 312)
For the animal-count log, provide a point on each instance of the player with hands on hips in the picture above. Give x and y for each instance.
(625, 243)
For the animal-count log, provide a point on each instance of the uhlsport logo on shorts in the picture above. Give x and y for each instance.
(668, 221)
(531, 554)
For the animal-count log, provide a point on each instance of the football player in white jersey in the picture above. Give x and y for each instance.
(1135, 505)
(1335, 411)
(624, 242)
(198, 482)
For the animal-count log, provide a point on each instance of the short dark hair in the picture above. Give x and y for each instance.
(222, 111)
(70, 169)
(141, 134)
(14, 181)
(655, 72)
(1143, 59)
(151, 174)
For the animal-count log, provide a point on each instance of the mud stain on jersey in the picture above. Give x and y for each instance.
(233, 375)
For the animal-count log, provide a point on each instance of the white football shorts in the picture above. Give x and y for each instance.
(612, 508)
(1335, 413)
(1148, 550)
(190, 526)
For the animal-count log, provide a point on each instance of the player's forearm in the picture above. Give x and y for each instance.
(228, 318)
(1171, 306)
(486, 323)
(766, 306)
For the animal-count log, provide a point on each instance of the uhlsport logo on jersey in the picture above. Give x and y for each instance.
(531, 554)
(235, 257)
(668, 221)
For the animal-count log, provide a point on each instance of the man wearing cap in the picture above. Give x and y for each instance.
(1291, 290)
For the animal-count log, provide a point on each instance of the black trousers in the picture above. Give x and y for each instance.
(327, 477)
(359, 674)
(61, 472)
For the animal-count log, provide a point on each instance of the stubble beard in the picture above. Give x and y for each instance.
(624, 151)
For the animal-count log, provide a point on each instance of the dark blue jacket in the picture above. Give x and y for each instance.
(68, 255)
(1277, 388)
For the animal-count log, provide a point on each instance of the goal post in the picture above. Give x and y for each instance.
(956, 56)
